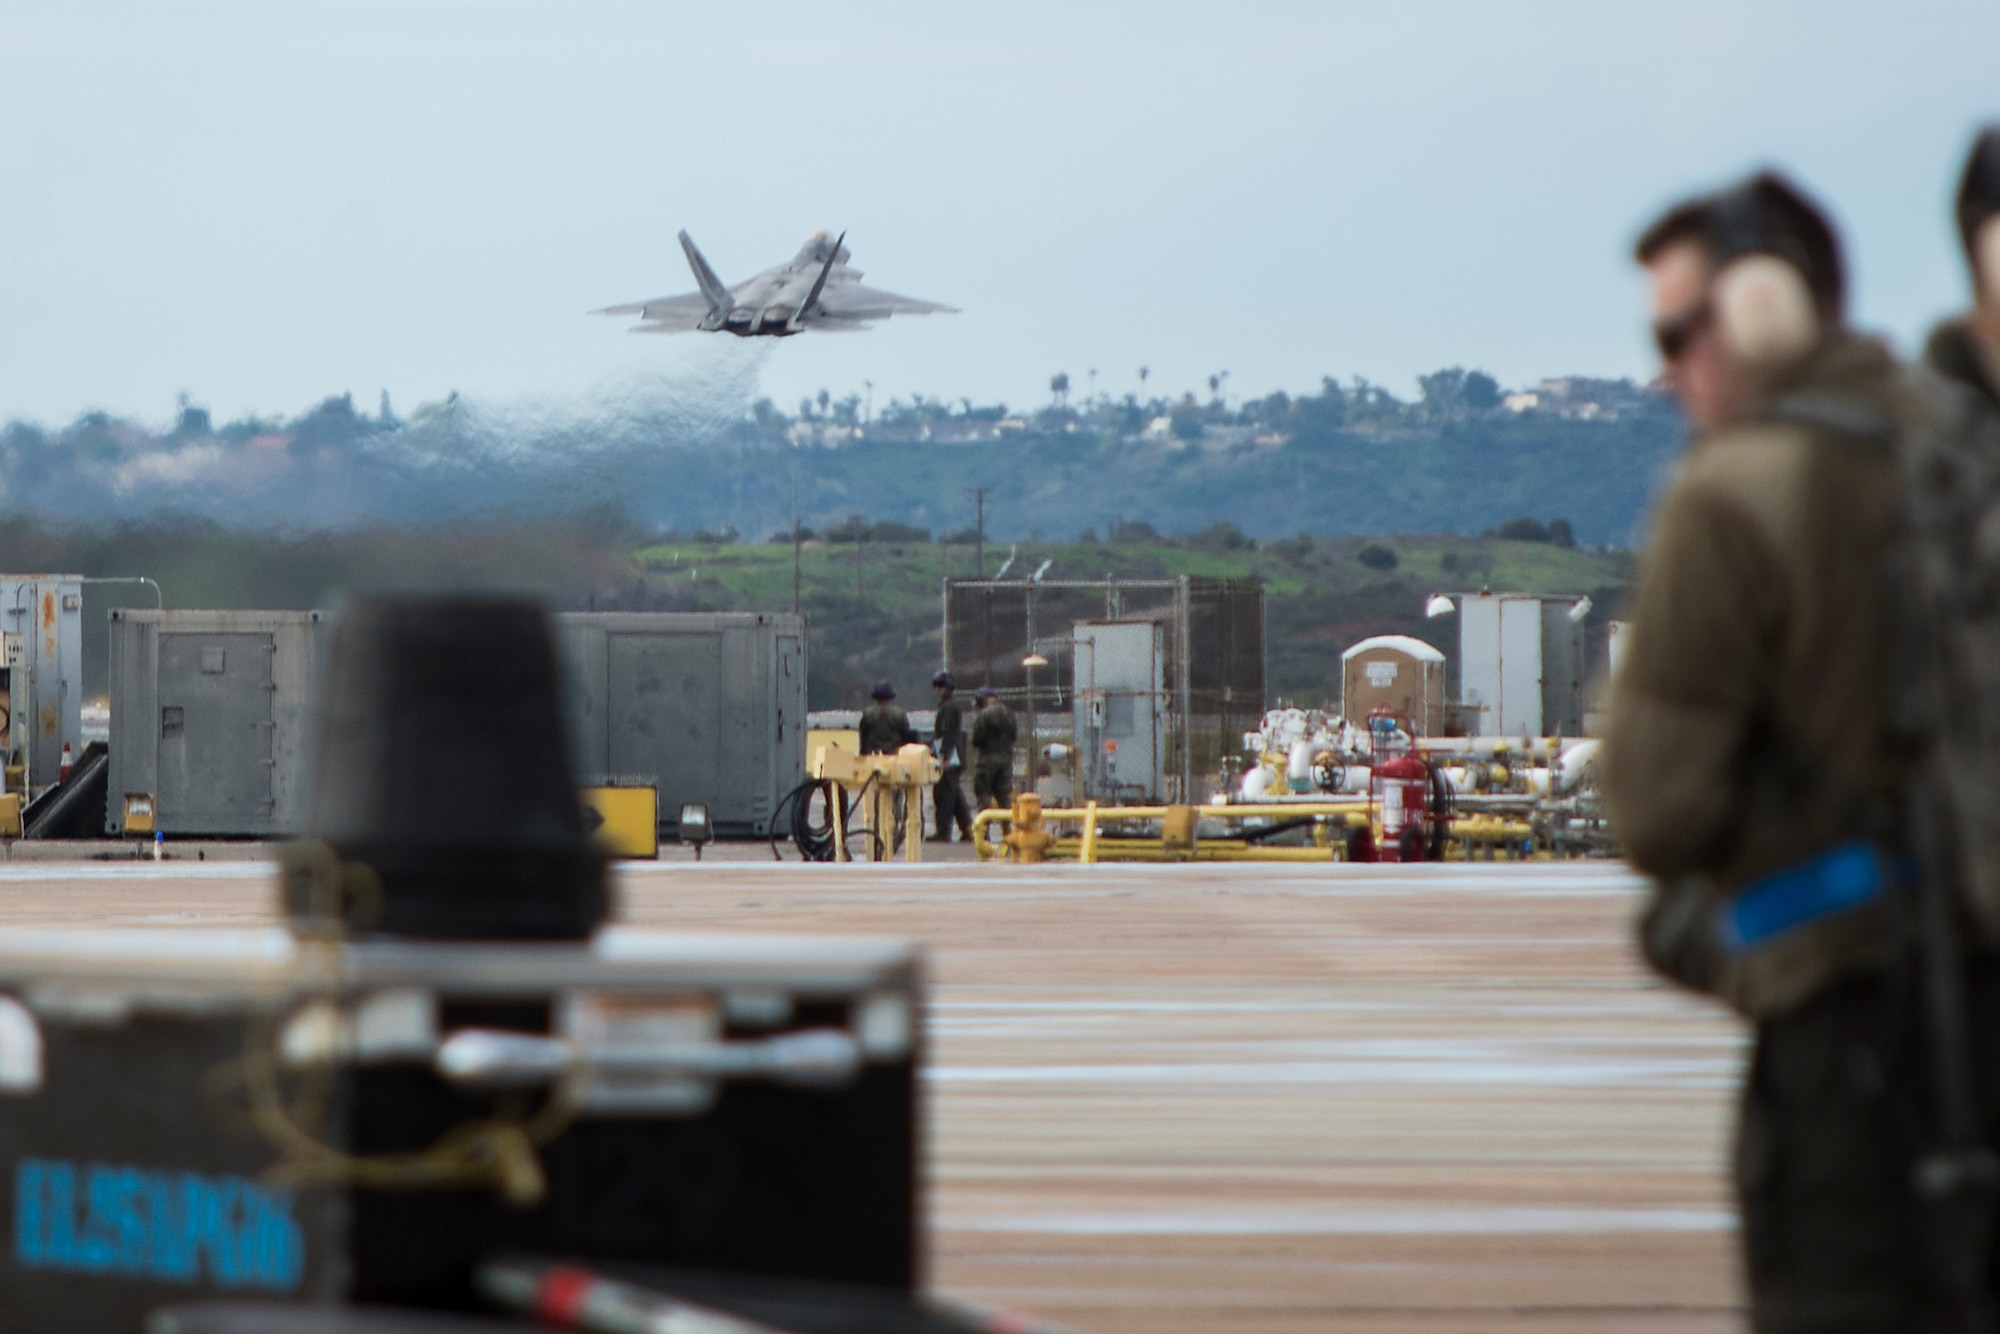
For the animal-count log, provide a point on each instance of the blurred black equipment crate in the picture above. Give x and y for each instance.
(195, 1114)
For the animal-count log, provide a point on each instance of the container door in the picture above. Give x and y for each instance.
(216, 723)
(789, 682)
(1519, 711)
(665, 716)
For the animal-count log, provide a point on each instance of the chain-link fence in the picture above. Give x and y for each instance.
(1149, 684)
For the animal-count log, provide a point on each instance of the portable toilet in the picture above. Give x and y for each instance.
(1394, 672)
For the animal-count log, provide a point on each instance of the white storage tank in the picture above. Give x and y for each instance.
(1521, 663)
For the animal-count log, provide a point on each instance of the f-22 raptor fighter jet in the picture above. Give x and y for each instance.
(815, 290)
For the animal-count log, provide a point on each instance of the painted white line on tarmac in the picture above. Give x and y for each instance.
(43, 872)
(1345, 1223)
(1485, 1071)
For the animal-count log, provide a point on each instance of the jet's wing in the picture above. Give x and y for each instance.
(855, 302)
(679, 311)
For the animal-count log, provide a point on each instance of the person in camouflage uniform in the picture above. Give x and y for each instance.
(948, 741)
(993, 736)
(885, 728)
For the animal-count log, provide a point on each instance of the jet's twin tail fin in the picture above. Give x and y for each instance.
(819, 285)
(711, 286)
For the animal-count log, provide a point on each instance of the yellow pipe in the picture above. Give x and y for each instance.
(1093, 817)
(980, 843)
(1484, 828)
(1265, 811)
(1209, 850)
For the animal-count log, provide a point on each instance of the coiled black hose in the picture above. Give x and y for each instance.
(814, 836)
(1442, 809)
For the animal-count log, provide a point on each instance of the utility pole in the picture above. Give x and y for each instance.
(798, 541)
(978, 494)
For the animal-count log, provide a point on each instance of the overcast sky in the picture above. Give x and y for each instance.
(264, 203)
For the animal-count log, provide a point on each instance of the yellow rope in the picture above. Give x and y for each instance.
(497, 1152)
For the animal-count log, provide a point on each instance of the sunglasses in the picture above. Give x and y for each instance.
(1673, 336)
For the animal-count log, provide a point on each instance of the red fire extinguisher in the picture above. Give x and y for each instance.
(1401, 786)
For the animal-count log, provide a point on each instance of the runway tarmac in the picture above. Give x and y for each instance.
(1264, 1098)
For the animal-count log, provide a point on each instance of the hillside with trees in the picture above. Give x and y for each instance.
(1351, 458)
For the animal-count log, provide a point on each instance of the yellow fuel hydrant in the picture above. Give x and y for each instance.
(1029, 839)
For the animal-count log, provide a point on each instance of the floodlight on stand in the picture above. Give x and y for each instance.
(1578, 610)
(695, 828)
(1439, 605)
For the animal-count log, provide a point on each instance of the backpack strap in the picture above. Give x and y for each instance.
(1834, 412)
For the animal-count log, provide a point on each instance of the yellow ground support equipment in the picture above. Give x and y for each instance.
(625, 821)
(1031, 837)
(10, 815)
(138, 815)
(882, 784)
(840, 738)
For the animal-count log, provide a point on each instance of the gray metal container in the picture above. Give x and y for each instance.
(706, 706)
(1120, 707)
(212, 714)
(42, 615)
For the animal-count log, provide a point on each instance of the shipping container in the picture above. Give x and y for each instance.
(708, 707)
(41, 674)
(212, 716)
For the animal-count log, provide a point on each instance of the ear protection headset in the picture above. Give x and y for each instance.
(1764, 307)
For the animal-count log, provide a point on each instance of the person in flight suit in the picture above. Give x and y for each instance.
(885, 728)
(948, 740)
(993, 736)
(1754, 757)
